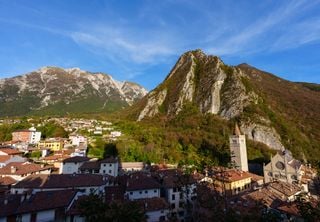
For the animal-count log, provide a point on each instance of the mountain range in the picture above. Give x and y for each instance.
(53, 90)
(269, 110)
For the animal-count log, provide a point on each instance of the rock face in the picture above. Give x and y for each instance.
(59, 90)
(240, 93)
(203, 80)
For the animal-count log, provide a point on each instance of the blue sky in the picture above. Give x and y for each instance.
(140, 40)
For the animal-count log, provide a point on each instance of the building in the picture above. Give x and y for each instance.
(131, 166)
(233, 181)
(141, 186)
(31, 135)
(156, 209)
(238, 150)
(54, 144)
(283, 167)
(76, 140)
(85, 182)
(42, 206)
(71, 165)
(179, 190)
(19, 171)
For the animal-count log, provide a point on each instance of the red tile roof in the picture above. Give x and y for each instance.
(153, 204)
(76, 159)
(10, 151)
(22, 168)
(5, 181)
(4, 158)
(47, 200)
(140, 181)
(12, 203)
(62, 181)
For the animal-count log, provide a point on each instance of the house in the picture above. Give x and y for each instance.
(19, 171)
(31, 135)
(156, 209)
(141, 186)
(41, 206)
(55, 144)
(71, 165)
(109, 166)
(232, 181)
(76, 140)
(85, 182)
(283, 167)
(179, 190)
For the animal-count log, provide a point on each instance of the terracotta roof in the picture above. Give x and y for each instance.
(153, 204)
(290, 208)
(9, 204)
(171, 178)
(4, 158)
(10, 151)
(55, 157)
(62, 181)
(231, 175)
(76, 159)
(114, 193)
(140, 181)
(47, 200)
(91, 165)
(284, 188)
(22, 168)
(5, 181)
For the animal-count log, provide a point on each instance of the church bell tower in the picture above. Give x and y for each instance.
(238, 150)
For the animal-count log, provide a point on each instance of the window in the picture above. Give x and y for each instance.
(140, 192)
(145, 191)
(174, 189)
(104, 171)
(181, 195)
(173, 197)
(173, 206)
(110, 171)
(104, 164)
(110, 165)
(131, 193)
(155, 191)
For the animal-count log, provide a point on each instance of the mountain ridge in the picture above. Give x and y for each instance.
(267, 107)
(49, 88)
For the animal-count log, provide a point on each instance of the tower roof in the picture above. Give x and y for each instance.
(237, 130)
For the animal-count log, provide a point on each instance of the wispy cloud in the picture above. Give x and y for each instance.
(260, 35)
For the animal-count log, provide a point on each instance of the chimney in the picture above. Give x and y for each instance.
(13, 169)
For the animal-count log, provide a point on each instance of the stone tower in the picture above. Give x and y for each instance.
(238, 150)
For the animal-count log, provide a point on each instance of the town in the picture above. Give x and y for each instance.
(54, 184)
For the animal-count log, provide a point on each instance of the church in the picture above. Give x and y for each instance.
(283, 167)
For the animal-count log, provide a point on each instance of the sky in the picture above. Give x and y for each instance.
(141, 40)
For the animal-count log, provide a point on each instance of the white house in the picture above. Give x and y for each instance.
(107, 166)
(140, 186)
(71, 165)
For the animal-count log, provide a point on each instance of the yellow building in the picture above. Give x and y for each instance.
(52, 144)
(232, 181)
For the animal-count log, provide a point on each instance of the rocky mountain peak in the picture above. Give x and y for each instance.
(50, 87)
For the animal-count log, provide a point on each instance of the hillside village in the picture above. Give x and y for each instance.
(51, 186)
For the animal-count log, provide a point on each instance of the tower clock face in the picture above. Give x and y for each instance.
(280, 165)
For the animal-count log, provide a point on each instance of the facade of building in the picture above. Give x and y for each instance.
(283, 167)
(53, 144)
(238, 150)
(71, 165)
(31, 135)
